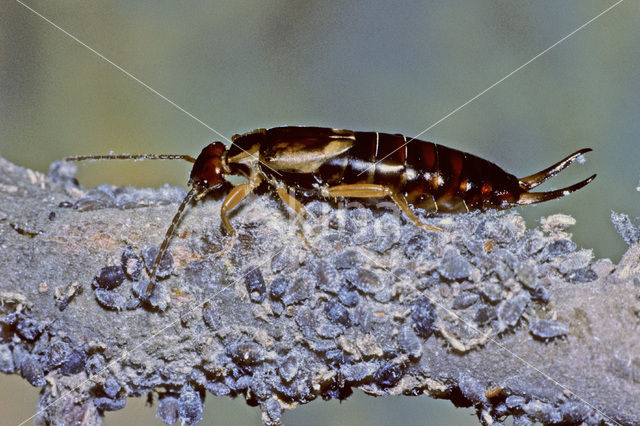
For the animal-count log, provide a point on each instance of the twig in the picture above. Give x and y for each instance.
(487, 313)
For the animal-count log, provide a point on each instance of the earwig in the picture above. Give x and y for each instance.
(347, 164)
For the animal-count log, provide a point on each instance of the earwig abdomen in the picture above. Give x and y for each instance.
(430, 176)
(449, 180)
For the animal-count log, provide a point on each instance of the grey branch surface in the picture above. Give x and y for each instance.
(513, 321)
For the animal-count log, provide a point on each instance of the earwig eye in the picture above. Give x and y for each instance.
(208, 170)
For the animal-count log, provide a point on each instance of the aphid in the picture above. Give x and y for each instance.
(289, 368)
(548, 329)
(255, 284)
(493, 392)
(424, 317)
(388, 375)
(31, 370)
(337, 313)
(342, 163)
(110, 277)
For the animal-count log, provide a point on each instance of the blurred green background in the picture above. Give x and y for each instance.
(361, 65)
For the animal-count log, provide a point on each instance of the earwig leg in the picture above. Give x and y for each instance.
(237, 194)
(404, 206)
(365, 190)
(530, 182)
(359, 190)
(291, 201)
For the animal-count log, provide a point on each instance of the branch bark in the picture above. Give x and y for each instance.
(513, 321)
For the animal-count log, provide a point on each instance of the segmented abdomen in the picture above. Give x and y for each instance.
(430, 176)
(449, 180)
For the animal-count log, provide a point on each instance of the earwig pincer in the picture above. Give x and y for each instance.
(348, 164)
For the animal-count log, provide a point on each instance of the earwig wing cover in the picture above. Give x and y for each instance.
(305, 149)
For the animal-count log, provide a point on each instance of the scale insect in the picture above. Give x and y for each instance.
(349, 164)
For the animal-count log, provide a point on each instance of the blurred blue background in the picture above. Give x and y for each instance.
(361, 65)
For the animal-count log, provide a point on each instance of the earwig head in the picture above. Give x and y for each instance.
(209, 168)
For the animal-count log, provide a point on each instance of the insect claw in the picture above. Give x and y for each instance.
(529, 182)
(538, 197)
(227, 247)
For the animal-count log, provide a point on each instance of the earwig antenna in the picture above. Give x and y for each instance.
(196, 192)
(188, 158)
(165, 243)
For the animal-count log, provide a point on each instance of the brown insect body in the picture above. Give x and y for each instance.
(343, 163)
(429, 176)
